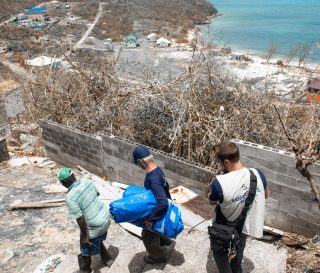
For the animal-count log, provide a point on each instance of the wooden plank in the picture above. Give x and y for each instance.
(39, 204)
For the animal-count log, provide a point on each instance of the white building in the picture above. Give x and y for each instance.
(73, 20)
(152, 37)
(21, 16)
(54, 4)
(27, 23)
(162, 42)
(44, 61)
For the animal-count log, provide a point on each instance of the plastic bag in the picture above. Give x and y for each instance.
(137, 203)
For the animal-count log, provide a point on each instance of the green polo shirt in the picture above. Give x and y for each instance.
(83, 201)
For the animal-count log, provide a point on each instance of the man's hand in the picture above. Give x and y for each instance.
(85, 241)
(147, 223)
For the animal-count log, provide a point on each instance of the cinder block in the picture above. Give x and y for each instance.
(278, 214)
(50, 150)
(280, 196)
(4, 155)
(268, 155)
(272, 203)
(293, 201)
(308, 216)
(289, 209)
(278, 223)
(303, 230)
(285, 180)
(248, 150)
(287, 160)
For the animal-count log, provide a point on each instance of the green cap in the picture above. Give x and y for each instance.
(64, 173)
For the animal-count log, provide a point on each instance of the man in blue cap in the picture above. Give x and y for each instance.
(156, 182)
(92, 216)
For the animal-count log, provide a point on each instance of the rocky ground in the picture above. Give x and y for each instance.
(30, 236)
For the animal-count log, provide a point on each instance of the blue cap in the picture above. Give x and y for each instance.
(140, 152)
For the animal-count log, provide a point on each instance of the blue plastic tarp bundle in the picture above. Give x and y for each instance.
(138, 203)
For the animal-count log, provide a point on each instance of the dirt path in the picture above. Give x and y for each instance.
(89, 30)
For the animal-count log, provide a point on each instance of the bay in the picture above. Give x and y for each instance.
(253, 26)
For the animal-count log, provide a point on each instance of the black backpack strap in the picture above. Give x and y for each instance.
(252, 193)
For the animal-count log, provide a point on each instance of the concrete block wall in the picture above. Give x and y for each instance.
(3, 118)
(111, 156)
(4, 155)
(291, 206)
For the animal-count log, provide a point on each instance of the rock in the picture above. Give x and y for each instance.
(6, 255)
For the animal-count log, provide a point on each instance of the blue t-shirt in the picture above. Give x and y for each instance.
(217, 193)
(157, 183)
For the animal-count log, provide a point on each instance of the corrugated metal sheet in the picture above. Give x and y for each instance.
(200, 205)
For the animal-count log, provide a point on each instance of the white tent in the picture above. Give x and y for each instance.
(162, 42)
(45, 61)
(152, 37)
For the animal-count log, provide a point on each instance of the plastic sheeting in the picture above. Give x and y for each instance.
(138, 203)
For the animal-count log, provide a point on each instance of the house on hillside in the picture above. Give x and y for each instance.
(54, 4)
(44, 61)
(38, 14)
(152, 37)
(108, 44)
(131, 41)
(39, 26)
(238, 57)
(27, 23)
(21, 16)
(73, 19)
(313, 94)
(162, 42)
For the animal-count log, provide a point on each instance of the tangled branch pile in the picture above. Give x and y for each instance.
(185, 116)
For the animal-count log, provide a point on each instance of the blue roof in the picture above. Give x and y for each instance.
(36, 10)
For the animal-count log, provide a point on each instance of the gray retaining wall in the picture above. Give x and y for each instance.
(3, 118)
(291, 206)
(4, 155)
(111, 156)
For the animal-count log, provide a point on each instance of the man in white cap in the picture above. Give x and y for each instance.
(92, 216)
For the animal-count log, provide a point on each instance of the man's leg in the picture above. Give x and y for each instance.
(105, 256)
(84, 263)
(151, 242)
(165, 241)
(222, 261)
(236, 263)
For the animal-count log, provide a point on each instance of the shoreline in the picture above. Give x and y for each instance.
(283, 80)
(249, 52)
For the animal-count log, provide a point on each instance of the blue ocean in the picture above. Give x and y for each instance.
(254, 25)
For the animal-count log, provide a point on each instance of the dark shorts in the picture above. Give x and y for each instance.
(94, 249)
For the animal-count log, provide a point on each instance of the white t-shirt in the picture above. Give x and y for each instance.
(231, 191)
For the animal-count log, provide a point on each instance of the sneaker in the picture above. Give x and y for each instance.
(150, 260)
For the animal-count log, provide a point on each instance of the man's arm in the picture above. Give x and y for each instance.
(84, 231)
(266, 192)
(162, 202)
(211, 202)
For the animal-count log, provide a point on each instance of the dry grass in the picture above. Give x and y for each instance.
(185, 117)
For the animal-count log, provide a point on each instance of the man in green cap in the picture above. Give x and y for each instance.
(92, 216)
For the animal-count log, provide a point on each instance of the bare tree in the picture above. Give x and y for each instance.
(306, 146)
(292, 53)
(271, 51)
(303, 53)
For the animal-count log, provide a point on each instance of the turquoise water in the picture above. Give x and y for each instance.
(255, 25)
